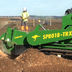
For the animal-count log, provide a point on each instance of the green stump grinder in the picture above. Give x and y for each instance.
(59, 41)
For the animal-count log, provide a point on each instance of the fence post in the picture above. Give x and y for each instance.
(33, 22)
(50, 21)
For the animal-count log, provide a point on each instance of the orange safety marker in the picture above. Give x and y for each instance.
(22, 28)
(27, 28)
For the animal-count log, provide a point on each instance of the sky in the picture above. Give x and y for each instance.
(34, 7)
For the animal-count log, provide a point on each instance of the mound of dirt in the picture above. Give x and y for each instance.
(8, 65)
(35, 61)
(2, 54)
(31, 57)
(32, 60)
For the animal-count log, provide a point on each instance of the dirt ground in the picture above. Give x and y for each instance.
(32, 60)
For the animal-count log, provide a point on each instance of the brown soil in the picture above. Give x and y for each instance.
(32, 60)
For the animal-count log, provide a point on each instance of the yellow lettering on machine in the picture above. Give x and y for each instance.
(70, 33)
(65, 33)
(18, 37)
